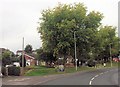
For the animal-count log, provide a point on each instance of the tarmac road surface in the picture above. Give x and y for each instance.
(104, 76)
(97, 77)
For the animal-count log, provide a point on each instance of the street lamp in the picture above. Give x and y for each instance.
(75, 50)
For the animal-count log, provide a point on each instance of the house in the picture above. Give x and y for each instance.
(69, 61)
(116, 59)
(30, 59)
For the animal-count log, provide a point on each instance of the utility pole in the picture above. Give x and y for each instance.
(75, 50)
(22, 70)
(110, 55)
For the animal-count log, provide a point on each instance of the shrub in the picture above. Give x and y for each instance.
(91, 63)
(17, 71)
(13, 70)
(3, 71)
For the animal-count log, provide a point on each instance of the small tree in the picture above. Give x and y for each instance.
(6, 60)
(28, 48)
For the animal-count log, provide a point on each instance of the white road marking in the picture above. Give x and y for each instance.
(96, 76)
(93, 78)
(106, 72)
(90, 83)
(101, 73)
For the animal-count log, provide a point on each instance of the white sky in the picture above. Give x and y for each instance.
(18, 18)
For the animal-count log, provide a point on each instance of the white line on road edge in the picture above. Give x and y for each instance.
(90, 83)
(17, 80)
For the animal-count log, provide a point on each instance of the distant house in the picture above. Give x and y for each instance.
(116, 59)
(19, 52)
(30, 59)
(69, 61)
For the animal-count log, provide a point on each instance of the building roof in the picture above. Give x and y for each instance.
(26, 55)
(31, 55)
(19, 51)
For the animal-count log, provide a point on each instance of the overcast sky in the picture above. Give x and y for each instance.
(18, 18)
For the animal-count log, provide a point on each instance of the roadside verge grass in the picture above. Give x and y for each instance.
(42, 70)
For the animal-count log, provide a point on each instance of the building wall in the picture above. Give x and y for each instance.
(30, 61)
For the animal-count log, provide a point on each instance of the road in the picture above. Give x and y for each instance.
(96, 77)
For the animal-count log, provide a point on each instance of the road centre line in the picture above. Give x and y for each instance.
(90, 83)
(101, 73)
(96, 76)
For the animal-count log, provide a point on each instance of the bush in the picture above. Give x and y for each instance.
(17, 71)
(13, 70)
(91, 63)
(3, 70)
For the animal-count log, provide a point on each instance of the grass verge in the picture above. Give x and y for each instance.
(41, 70)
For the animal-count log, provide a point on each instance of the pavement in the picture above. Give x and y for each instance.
(29, 80)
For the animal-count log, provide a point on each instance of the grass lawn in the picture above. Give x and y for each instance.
(41, 70)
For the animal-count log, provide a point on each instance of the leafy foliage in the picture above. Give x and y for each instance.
(6, 59)
(58, 25)
(108, 40)
(45, 56)
(28, 48)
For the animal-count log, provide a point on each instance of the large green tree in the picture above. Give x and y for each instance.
(108, 41)
(45, 56)
(58, 25)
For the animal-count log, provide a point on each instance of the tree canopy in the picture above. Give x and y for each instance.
(58, 25)
(28, 48)
(6, 58)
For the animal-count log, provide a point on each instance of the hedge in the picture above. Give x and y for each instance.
(13, 70)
